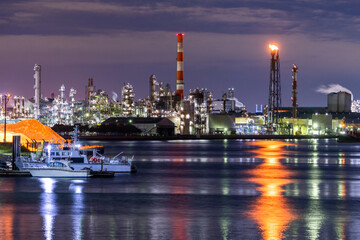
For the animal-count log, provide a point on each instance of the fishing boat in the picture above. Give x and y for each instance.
(58, 169)
(80, 158)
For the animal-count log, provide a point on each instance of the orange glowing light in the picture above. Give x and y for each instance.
(271, 210)
(273, 47)
(91, 147)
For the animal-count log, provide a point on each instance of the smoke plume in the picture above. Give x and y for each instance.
(333, 88)
(114, 96)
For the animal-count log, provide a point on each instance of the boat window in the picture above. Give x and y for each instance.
(57, 154)
(52, 154)
(58, 164)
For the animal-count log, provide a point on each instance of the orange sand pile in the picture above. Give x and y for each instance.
(30, 129)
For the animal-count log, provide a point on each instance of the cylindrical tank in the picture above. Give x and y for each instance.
(344, 102)
(332, 102)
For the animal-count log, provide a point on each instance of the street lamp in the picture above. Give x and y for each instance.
(5, 99)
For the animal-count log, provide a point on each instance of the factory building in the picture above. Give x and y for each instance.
(221, 124)
(148, 126)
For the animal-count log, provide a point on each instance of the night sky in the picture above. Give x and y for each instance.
(225, 45)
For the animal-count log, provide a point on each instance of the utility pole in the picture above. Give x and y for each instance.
(5, 98)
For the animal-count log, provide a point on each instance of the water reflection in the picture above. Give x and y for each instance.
(77, 209)
(48, 208)
(7, 213)
(271, 210)
(284, 194)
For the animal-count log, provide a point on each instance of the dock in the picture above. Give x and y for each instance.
(102, 174)
(15, 173)
(11, 173)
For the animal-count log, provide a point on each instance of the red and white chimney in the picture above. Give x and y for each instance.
(180, 66)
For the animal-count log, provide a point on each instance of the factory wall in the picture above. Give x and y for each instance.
(221, 123)
(321, 124)
(295, 126)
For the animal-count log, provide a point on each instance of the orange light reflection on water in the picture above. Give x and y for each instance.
(6, 223)
(7, 214)
(271, 210)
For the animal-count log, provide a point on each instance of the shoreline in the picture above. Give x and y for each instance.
(200, 137)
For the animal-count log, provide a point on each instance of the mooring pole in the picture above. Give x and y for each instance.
(16, 151)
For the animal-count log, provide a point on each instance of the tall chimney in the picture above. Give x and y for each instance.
(37, 87)
(90, 89)
(294, 91)
(180, 66)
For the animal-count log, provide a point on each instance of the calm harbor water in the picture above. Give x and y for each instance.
(197, 189)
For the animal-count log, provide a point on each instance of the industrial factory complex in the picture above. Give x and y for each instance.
(170, 111)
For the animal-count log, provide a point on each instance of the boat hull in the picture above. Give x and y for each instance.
(58, 173)
(116, 168)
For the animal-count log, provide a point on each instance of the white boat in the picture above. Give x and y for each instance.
(80, 158)
(58, 169)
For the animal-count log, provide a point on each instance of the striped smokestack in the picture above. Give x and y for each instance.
(180, 66)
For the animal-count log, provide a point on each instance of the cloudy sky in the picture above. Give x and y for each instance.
(225, 45)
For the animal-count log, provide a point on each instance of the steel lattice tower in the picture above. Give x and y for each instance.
(274, 87)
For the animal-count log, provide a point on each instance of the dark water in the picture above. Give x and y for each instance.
(197, 190)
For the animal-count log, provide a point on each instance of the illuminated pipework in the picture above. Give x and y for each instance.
(180, 66)
(294, 91)
(199, 107)
(72, 105)
(19, 107)
(62, 109)
(128, 104)
(153, 84)
(37, 87)
(209, 102)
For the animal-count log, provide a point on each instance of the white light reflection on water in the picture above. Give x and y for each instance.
(48, 207)
(78, 206)
(314, 219)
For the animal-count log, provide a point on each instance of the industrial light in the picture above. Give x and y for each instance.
(273, 47)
